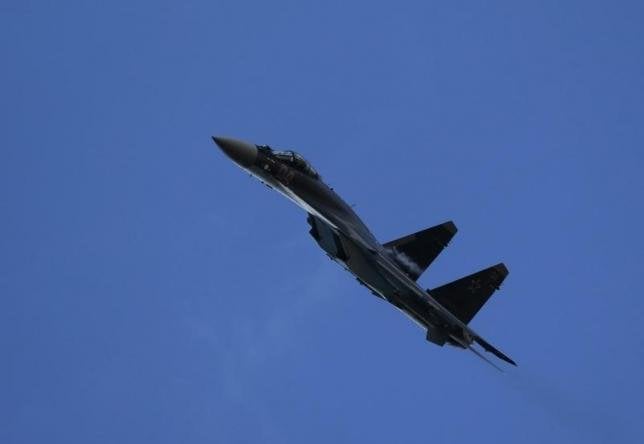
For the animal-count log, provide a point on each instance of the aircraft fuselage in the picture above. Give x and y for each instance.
(346, 239)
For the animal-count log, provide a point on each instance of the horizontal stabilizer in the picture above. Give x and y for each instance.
(494, 351)
(465, 297)
(416, 251)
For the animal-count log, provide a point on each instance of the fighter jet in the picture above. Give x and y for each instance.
(390, 270)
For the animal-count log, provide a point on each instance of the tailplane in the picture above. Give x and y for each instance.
(489, 348)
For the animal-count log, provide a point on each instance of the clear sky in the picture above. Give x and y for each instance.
(151, 292)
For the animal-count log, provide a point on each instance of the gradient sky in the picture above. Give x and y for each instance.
(151, 292)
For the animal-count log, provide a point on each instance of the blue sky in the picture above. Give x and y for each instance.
(151, 292)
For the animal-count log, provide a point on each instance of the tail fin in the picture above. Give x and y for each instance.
(416, 251)
(465, 297)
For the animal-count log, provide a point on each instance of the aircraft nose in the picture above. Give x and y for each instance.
(241, 152)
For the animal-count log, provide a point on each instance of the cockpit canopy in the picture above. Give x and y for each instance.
(296, 161)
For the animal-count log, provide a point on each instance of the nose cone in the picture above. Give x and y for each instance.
(242, 153)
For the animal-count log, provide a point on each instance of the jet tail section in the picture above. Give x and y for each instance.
(489, 348)
(465, 297)
(416, 251)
